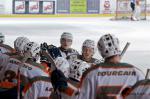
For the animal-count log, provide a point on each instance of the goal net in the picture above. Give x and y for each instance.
(124, 11)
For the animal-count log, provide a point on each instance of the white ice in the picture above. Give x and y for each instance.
(50, 29)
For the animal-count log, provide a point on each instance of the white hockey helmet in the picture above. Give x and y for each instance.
(90, 44)
(63, 65)
(77, 68)
(20, 42)
(67, 35)
(2, 38)
(34, 48)
(108, 45)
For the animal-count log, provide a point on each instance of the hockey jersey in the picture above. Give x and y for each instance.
(9, 71)
(68, 52)
(38, 87)
(92, 61)
(107, 80)
(141, 90)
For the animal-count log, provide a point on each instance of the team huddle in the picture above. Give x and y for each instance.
(41, 71)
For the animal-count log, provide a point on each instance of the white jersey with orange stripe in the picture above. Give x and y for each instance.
(9, 70)
(107, 80)
(38, 88)
(141, 90)
(28, 71)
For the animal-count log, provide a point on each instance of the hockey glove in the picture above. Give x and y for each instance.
(59, 81)
(44, 46)
(43, 58)
(54, 51)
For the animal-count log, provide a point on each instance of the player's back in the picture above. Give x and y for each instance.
(109, 80)
(10, 70)
(28, 76)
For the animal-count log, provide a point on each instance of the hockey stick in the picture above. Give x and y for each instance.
(147, 74)
(18, 84)
(124, 49)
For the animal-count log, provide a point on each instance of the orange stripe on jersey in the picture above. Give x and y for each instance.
(26, 88)
(46, 67)
(69, 91)
(108, 91)
(33, 80)
(7, 85)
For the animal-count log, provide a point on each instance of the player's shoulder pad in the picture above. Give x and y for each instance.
(93, 67)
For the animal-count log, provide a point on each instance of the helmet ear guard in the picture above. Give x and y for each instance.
(108, 45)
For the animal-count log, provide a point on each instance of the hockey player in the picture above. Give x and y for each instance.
(46, 89)
(88, 50)
(29, 72)
(77, 68)
(66, 42)
(107, 80)
(136, 10)
(3, 47)
(141, 90)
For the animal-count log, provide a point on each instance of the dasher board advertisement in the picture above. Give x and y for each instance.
(34, 7)
(48, 7)
(107, 6)
(20, 7)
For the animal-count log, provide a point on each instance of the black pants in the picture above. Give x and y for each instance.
(132, 5)
(10, 93)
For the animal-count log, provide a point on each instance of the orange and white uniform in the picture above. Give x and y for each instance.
(107, 80)
(141, 90)
(9, 71)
